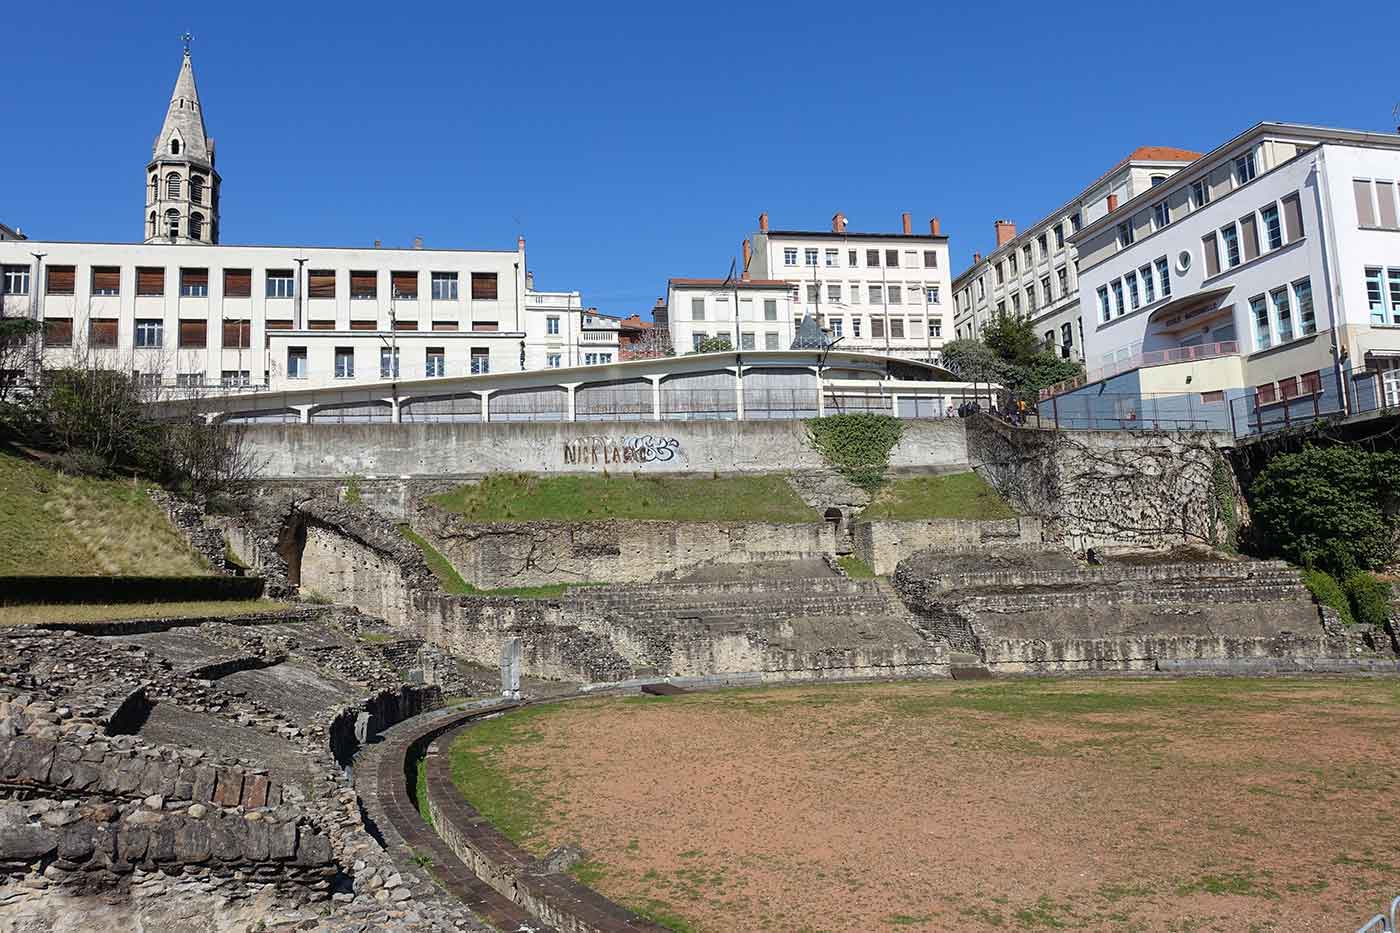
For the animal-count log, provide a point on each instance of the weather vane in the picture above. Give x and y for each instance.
(187, 38)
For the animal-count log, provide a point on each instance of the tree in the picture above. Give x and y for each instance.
(1011, 354)
(1012, 338)
(654, 342)
(718, 344)
(19, 352)
(1331, 508)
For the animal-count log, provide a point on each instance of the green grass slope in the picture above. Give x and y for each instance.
(519, 498)
(954, 495)
(56, 524)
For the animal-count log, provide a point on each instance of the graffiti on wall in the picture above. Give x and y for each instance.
(634, 448)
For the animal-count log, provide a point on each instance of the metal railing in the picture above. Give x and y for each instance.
(1388, 922)
(1129, 411)
(1314, 396)
(1204, 351)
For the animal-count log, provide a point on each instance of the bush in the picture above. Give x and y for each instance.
(1370, 600)
(1332, 508)
(1328, 592)
(857, 445)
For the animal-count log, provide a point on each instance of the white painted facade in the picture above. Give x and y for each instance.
(1265, 243)
(704, 308)
(877, 292)
(561, 332)
(1036, 273)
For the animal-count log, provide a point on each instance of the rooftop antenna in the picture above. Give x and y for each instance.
(187, 39)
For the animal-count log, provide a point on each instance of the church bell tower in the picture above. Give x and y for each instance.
(182, 187)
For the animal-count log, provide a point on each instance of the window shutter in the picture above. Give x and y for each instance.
(362, 285)
(405, 325)
(149, 281)
(59, 280)
(364, 325)
(484, 286)
(106, 279)
(103, 333)
(321, 284)
(484, 325)
(1250, 234)
(320, 325)
(194, 278)
(279, 325)
(1365, 212)
(238, 335)
(444, 325)
(58, 332)
(405, 284)
(194, 333)
(1212, 255)
(1292, 217)
(238, 283)
(1385, 200)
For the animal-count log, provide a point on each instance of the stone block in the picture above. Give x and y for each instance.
(282, 841)
(255, 841)
(203, 789)
(75, 842)
(224, 842)
(313, 849)
(228, 789)
(162, 843)
(132, 842)
(255, 790)
(192, 842)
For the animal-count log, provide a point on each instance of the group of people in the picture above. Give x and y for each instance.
(1012, 412)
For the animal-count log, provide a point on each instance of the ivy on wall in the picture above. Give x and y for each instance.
(857, 446)
(1225, 523)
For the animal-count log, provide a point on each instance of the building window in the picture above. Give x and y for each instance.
(877, 294)
(1046, 293)
(320, 283)
(1059, 236)
(102, 333)
(892, 258)
(1249, 237)
(1044, 244)
(812, 294)
(697, 309)
(237, 335)
(388, 362)
(1273, 226)
(1293, 217)
(196, 225)
(196, 189)
(16, 280)
(1161, 215)
(872, 258)
(1157, 180)
(746, 341)
(811, 256)
(1375, 296)
(1076, 221)
(833, 292)
(182, 380)
(1118, 298)
(150, 281)
(855, 327)
(1001, 273)
(1030, 299)
(931, 294)
(789, 255)
(895, 294)
(480, 361)
(877, 327)
(1016, 304)
(238, 283)
(1163, 280)
(930, 259)
(770, 309)
(852, 257)
(897, 328)
(149, 333)
(484, 286)
(1283, 314)
(233, 378)
(106, 280)
(833, 259)
(553, 360)
(1066, 338)
(1302, 297)
(1200, 193)
(172, 186)
(1125, 233)
(551, 326)
(172, 223)
(936, 327)
(1011, 262)
(1149, 293)
(345, 362)
(194, 283)
(1131, 280)
(770, 341)
(981, 287)
(364, 286)
(403, 286)
(435, 362)
(836, 327)
(296, 363)
(697, 338)
(444, 286)
(1230, 237)
(1261, 322)
(1063, 275)
(280, 283)
(194, 334)
(1244, 169)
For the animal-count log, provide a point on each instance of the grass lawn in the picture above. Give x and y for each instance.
(954, 495)
(56, 524)
(1110, 804)
(451, 581)
(518, 498)
(855, 568)
(31, 614)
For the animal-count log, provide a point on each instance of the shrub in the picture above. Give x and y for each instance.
(857, 445)
(1328, 592)
(1370, 599)
(1329, 507)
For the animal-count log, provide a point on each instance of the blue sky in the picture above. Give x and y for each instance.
(632, 142)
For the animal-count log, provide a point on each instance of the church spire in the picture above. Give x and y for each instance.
(182, 186)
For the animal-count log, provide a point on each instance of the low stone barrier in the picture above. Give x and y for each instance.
(883, 544)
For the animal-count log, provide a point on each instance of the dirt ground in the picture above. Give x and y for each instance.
(1115, 804)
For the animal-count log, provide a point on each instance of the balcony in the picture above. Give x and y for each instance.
(1191, 354)
(607, 337)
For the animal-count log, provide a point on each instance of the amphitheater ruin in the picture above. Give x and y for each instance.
(273, 771)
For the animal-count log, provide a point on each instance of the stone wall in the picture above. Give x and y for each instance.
(883, 544)
(1096, 488)
(505, 554)
(308, 451)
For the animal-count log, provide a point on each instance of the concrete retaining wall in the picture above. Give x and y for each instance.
(308, 451)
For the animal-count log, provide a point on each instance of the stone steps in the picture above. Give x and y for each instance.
(1185, 594)
(1120, 576)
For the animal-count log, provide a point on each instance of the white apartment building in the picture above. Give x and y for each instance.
(874, 292)
(1036, 272)
(1265, 267)
(760, 311)
(184, 310)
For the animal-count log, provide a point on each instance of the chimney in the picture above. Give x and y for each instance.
(763, 222)
(1006, 232)
(1112, 203)
(838, 222)
(908, 229)
(377, 244)
(748, 257)
(934, 227)
(520, 243)
(976, 258)
(418, 242)
(530, 280)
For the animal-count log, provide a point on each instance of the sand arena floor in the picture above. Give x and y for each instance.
(1201, 804)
